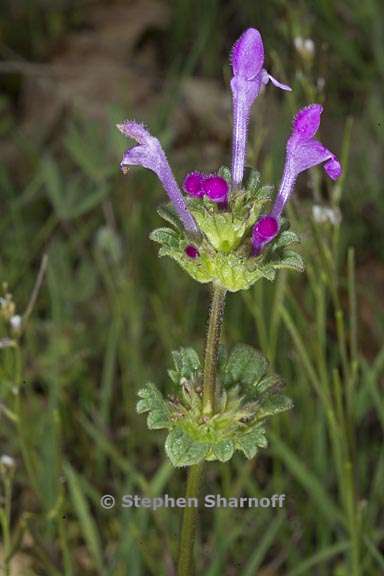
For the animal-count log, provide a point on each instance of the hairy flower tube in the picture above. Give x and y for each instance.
(248, 77)
(303, 152)
(150, 154)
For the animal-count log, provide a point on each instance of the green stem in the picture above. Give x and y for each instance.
(188, 530)
(212, 348)
(5, 521)
(20, 422)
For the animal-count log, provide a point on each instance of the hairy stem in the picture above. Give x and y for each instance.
(188, 530)
(212, 348)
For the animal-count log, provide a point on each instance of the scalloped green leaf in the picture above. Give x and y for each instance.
(274, 404)
(266, 383)
(267, 272)
(182, 450)
(152, 401)
(186, 364)
(245, 366)
(250, 441)
(166, 237)
(285, 239)
(223, 450)
(290, 260)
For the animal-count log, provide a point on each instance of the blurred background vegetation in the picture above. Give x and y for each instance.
(109, 312)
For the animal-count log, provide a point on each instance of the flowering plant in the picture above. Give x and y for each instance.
(230, 234)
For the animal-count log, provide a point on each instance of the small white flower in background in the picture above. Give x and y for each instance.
(320, 84)
(298, 42)
(323, 214)
(309, 46)
(16, 322)
(7, 462)
(304, 46)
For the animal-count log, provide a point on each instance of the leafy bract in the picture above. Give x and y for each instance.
(250, 393)
(224, 246)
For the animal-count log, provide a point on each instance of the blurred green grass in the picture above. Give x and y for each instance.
(110, 311)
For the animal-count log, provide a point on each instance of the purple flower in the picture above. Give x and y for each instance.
(303, 152)
(248, 76)
(149, 154)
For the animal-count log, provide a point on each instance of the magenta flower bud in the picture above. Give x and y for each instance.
(216, 188)
(247, 60)
(263, 232)
(149, 154)
(191, 251)
(193, 184)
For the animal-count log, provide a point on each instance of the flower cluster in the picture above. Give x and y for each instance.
(225, 227)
